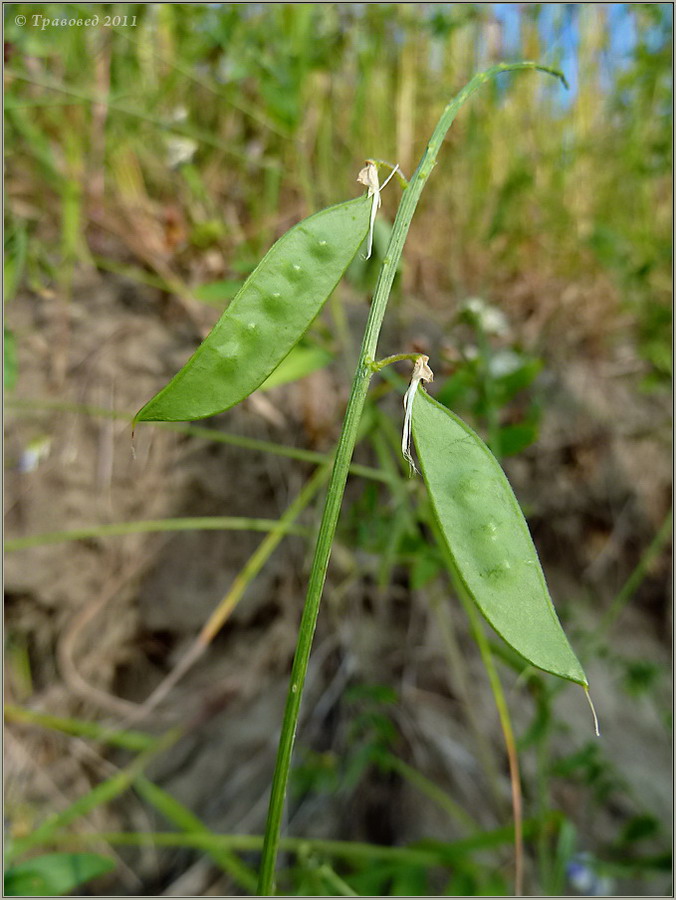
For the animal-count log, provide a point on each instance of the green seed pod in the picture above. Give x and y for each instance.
(267, 317)
(488, 538)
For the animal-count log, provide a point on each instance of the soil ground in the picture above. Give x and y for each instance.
(103, 620)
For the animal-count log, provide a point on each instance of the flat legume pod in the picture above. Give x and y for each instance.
(267, 317)
(488, 538)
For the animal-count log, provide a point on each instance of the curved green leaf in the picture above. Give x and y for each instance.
(269, 315)
(488, 538)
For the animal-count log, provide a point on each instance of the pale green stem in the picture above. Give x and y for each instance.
(388, 360)
(210, 434)
(204, 137)
(457, 665)
(431, 790)
(500, 702)
(261, 555)
(632, 583)
(180, 816)
(207, 523)
(105, 792)
(341, 466)
(508, 734)
(225, 607)
(440, 854)
(129, 740)
(401, 178)
(340, 887)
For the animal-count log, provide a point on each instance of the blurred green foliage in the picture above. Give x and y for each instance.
(228, 116)
(54, 874)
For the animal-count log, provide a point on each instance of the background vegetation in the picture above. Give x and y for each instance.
(149, 166)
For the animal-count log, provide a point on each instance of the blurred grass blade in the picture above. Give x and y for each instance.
(426, 852)
(241, 582)
(183, 818)
(200, 431)
(127, 740)
(102, 793)
(10, 369)
(14, 263)
(261, 555)
(637, 576)
(206, 523)
(416, 779)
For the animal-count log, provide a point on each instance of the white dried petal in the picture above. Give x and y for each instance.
(421, 372)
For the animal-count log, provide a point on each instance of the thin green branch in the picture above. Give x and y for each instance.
(388, 360)
(128, 740)
(104, 792)
(185, 130)
(508, 734)
(435, 853)
(235, 593)
(500, 702)
(206, 523)
(180, 816)
(261, 555)
(431, 790)
(632, 583)
(401, 178)
(339, 887)
(200, 431)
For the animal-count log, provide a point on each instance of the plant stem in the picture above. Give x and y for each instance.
(205, 523)
(341, 465)
(398, 357)
(459, 678)
(637, 576)
(500, 703)
(261, 555)
(335, 882)
(200, 431)
(427, 787)
(128, 740)
(104, 792)
(180, 816)
(437, 853)
(508, 734)
(242, 581)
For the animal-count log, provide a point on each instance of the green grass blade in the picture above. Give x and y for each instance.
(422, 853)
(128, 740)
(100, 794)
(206, 523)
(199, 431)
(176, 813)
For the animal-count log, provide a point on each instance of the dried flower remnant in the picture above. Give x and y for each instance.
(369, 177)
(421, 372)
